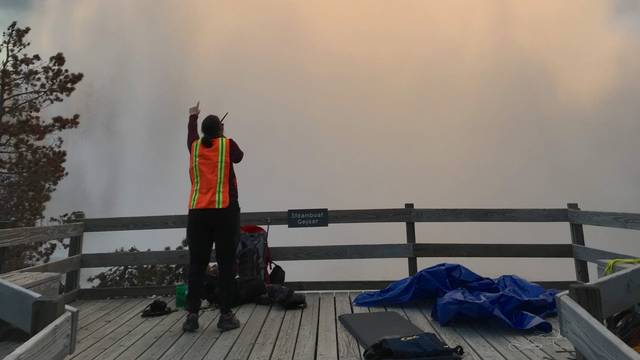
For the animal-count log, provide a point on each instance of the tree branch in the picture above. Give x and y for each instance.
(15, 107)
(25, 93)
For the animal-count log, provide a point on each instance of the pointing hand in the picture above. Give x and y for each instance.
(195, 110)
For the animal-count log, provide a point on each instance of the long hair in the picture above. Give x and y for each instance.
(211, 129)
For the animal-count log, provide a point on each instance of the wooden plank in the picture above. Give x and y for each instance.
(286, 342)
(17, 236)
(123, 308)
(494, 250)
(70, 296)
(258, 218)
(308, 333)
(245, 342)
(592, 254)
(335, 252)
(75, 249)
(112, 337)
(110, 324)
(7, 347)
(561, 341)
(162, 344)
(577, 238)
(589, 298)
(378, 251)
(491, 215)
(266, 341)
(590, 338)
(134, 291)
(620, 290)
(137, 291)
(337, 285)
(184, 342)
(606, 219)
(202, 345)
(480, 345)
(31, 279)
(87, 318)
(13, 276)
(59, 266)
(52, 343)
(90, 308)
(17, 308)
(97, 260)
(142, 337)
(45, 310)
(136, 223)
(75, 324)
(327, 340)
(447, 333)
(412, 261)
(494, 337)
(225, 341)
(342, 217)
(370, 216)
(347, 344)
(357, 310)
(513, 344)
(41, 283)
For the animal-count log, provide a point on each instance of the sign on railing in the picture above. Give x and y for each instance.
(307, 218)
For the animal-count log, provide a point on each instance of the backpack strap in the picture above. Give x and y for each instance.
(267, 252)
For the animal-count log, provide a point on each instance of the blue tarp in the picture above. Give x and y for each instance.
(462, 294)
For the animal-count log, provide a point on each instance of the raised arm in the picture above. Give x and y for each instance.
(192, 128)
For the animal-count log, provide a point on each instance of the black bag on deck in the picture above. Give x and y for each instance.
(425, 346)
(156, 308)
(245, 291)
(277, 275)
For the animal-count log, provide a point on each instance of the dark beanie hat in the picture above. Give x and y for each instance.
(211, 126)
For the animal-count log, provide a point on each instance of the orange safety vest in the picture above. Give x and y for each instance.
(209, 170)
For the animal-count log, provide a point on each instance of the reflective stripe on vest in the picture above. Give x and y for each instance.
(210, 171)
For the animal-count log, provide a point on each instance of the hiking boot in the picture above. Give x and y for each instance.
(228, 321)
(191, 323)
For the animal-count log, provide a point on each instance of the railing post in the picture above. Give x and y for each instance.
(411, 239)
(44, 311)
(577, 238)
(3, 251)
(590, 299)
(72, 281)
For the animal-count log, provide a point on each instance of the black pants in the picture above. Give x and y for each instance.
(205, 227)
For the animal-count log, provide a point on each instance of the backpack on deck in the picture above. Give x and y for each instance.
(253, 257)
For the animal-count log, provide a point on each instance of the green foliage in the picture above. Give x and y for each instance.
(141, 275)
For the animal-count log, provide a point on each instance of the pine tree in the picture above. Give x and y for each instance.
(31, 154)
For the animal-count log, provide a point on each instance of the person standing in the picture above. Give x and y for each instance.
(214, 215)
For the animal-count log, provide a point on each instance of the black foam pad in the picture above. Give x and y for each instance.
(368, 328)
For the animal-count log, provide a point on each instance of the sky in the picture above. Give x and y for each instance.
(360, 104)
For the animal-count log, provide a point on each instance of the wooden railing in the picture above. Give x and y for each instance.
(586, 310)
(411, 250)
(51, 324)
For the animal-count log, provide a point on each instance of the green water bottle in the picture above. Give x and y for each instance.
(181, 296)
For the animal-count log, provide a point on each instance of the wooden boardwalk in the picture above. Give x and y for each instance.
(114, 330)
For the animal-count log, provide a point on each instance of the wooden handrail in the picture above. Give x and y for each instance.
(18, 236)
(605, 219)
(399, 215)
(337, 252)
